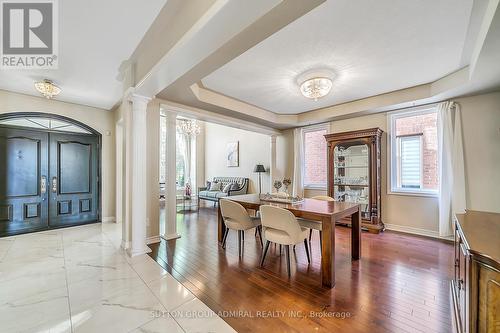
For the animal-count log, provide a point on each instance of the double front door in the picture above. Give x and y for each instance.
(47, 180)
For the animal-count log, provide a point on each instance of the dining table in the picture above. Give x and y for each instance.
(325, 212)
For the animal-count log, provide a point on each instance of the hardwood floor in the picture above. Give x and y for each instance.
(401, 283)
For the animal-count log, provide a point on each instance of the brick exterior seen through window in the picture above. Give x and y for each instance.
(425, 124)
(315, 157)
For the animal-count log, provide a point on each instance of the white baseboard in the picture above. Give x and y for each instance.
(153, 239)
(108, 219)
(415, 231)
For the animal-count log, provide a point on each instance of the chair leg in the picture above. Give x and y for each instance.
(287, 251)
(310, 234)
(256, 232)
(239, 242)
(225, 238)
(264, 254)
(306, 244)
(259, 231)
(243, 235)
(280, 250)
(320, 240)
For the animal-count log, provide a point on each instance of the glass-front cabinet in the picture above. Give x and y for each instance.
(354, 172)
(352, 175)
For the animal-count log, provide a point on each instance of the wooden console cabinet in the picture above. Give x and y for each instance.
(475, 288)
(354, 172)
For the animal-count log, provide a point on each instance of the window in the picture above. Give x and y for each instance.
(414, 151)
(315, 156)
(185, 163)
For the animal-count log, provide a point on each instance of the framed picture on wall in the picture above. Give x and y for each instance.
(232, 157)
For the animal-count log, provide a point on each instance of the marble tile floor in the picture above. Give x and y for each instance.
(79, 280)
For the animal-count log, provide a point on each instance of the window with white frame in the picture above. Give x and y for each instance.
(414, 151)
(185, 163)
(315, 156)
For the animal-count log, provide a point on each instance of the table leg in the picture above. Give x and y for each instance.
(356, 235)
(221, 226)
(328, 253)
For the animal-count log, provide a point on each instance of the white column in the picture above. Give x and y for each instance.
(272, 163)
(139, 177)
(170, 186)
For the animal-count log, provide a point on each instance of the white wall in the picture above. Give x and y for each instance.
(254, 149)
(481, 135)
(99, 119)
(153, 170)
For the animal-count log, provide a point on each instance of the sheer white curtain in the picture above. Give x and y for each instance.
(452, 173)
(298, 163)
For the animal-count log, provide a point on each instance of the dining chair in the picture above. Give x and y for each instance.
(314, 225)
(236, 217)
(280, 226)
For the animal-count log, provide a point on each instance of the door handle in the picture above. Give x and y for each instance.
(43, 185)
(54, 184)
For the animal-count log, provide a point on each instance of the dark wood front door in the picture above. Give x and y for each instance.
(47, 180)
(23, 181)
(73, 179)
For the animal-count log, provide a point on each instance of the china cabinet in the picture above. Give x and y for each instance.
(354, 172)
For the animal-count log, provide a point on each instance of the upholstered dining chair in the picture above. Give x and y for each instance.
(236, 217)
(314, 225)
(280, 226)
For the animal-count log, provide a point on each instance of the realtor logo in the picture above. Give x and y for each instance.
(29, 34)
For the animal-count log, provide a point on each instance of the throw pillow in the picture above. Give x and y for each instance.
(235, 186)
(215, 186)
(209, 183)
(227, 188)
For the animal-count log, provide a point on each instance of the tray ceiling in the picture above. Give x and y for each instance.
(373, 47)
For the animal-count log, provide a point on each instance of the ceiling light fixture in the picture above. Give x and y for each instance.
(316, 87)
(188, 127)
(47, 88)
(316, 83)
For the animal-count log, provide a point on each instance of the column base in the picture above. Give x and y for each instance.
(125, 245)
(171, 236)
(137, 252)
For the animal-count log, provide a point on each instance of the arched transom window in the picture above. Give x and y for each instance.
(44, 123)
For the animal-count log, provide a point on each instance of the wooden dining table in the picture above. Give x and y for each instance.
(326, 212)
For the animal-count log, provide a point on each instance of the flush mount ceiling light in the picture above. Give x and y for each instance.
(47, 88)
(315, 84)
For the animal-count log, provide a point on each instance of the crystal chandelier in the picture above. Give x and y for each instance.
(188, 127)
(47, 88)
(316, 87)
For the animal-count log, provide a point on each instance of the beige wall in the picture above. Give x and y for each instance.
(254, 149)
(99, 119)
(284, 155)
(481, 135)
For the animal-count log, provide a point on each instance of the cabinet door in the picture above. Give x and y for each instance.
(489, 299)
(463, 285)
(351, 174)
(456, 275)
